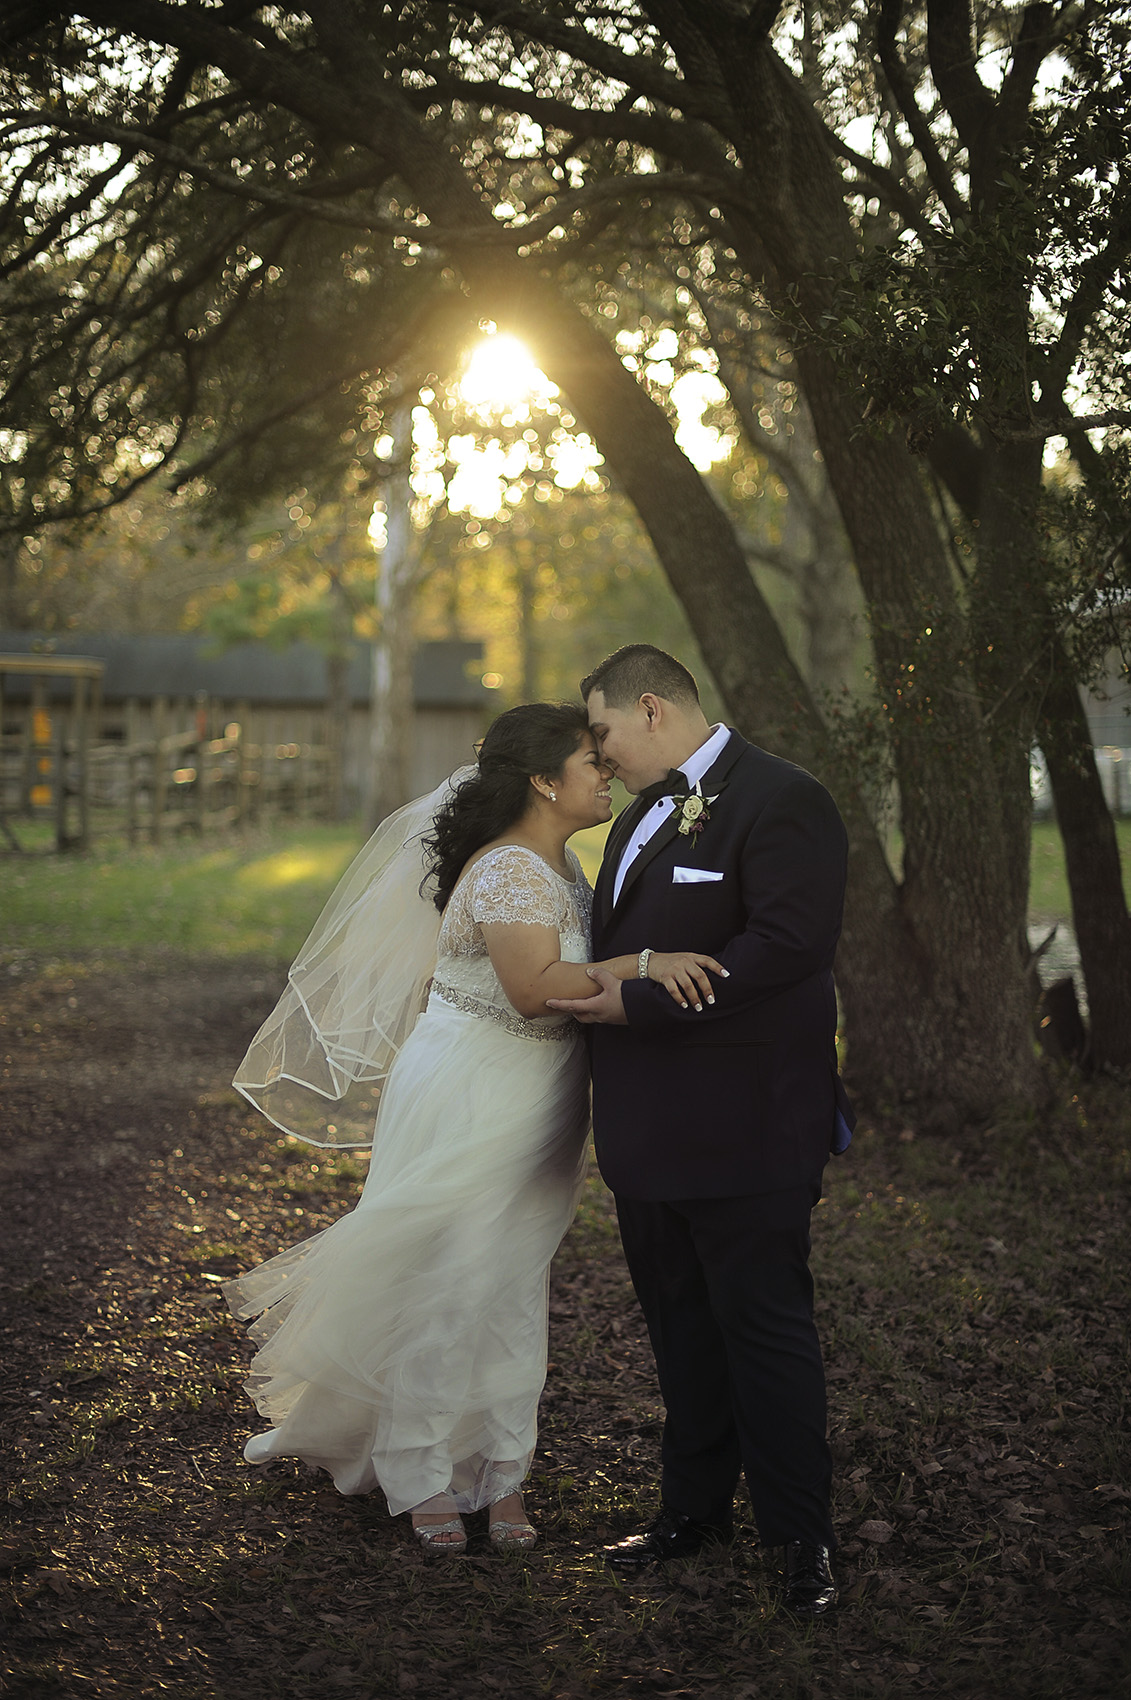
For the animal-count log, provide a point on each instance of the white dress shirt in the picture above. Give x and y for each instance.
(693, 770)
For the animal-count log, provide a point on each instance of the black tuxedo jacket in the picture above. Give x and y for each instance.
(741, 1098)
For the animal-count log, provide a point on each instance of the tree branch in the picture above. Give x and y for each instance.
(635, 71)
(257, 428)
(950, 48)
(512, 234)
(1069, 424)
(50, 232)
(886, 185)
(903, 93)
(1041, 31)
(680, 24)
(649, 129)
(1095, 274)
(239, 188)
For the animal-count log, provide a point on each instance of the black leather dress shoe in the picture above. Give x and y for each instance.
(670, 1536)
(809, 1586)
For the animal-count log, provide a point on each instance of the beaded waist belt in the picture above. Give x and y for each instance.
(514, 1023)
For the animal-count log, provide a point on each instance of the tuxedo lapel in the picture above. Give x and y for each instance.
(662, 836)
(619, 835)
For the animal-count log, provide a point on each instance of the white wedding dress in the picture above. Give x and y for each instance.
(405, 1346)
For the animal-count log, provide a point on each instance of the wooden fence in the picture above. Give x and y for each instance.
(158, 787)
(159, 778)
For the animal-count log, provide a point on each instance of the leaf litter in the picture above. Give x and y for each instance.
(973, 1300)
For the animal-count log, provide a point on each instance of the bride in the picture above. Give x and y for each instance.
(405, 1346)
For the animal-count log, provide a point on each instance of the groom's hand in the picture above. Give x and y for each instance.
(607, 1005)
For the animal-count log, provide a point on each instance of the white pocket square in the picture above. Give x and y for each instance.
(694, 876)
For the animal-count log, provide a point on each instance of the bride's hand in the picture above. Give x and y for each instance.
(684, 974)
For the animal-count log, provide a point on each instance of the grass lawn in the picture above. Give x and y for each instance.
(260, 895)
(235, 897)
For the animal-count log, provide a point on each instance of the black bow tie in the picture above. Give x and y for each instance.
(675, 781)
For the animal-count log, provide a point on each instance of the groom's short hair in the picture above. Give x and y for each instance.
(628, 673)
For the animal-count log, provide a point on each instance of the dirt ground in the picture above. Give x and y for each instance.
(143, 1558)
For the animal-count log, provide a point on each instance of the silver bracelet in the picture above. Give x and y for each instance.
(642, 964)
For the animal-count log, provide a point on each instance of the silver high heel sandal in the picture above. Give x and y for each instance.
(502, 1533)
(447, 1539)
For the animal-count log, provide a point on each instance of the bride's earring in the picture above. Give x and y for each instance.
(553, 796)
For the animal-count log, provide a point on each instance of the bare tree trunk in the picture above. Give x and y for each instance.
(527, 630)
(831, 610)
(337, 722)
(339, 652)
(972, 1038)
(391, 700)
(813, 555)
(815, 561)
(10, 612)
(1092, 862)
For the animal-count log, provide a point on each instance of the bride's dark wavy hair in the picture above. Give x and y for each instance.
(536, 737)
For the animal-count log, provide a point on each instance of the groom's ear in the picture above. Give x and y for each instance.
(653, 707)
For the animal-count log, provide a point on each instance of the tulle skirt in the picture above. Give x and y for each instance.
(405, 1346)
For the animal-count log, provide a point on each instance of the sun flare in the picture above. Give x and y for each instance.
(501, 374)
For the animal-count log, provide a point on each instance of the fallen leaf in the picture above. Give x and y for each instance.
(312, 1661)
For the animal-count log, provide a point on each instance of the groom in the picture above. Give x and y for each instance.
(713, 1122)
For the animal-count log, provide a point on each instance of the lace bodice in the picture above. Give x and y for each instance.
(509, 884)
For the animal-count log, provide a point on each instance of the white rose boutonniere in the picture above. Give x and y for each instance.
(694, 813)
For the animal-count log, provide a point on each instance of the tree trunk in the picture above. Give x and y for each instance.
(1092, 862)
(391, 700)
(967, 1043)
(11, 614)
(831, 610)
(337, 724)
(526, 588)
(813, 554)
(339, 651)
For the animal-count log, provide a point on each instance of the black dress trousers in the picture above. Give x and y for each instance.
(726, 1292)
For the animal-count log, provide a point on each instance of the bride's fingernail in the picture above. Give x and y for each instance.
(710, 1000)
(698, 1008)
(725, 973)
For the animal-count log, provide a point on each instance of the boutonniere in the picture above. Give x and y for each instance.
(694, 812)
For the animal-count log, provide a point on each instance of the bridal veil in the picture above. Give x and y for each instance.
(317, 1066)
